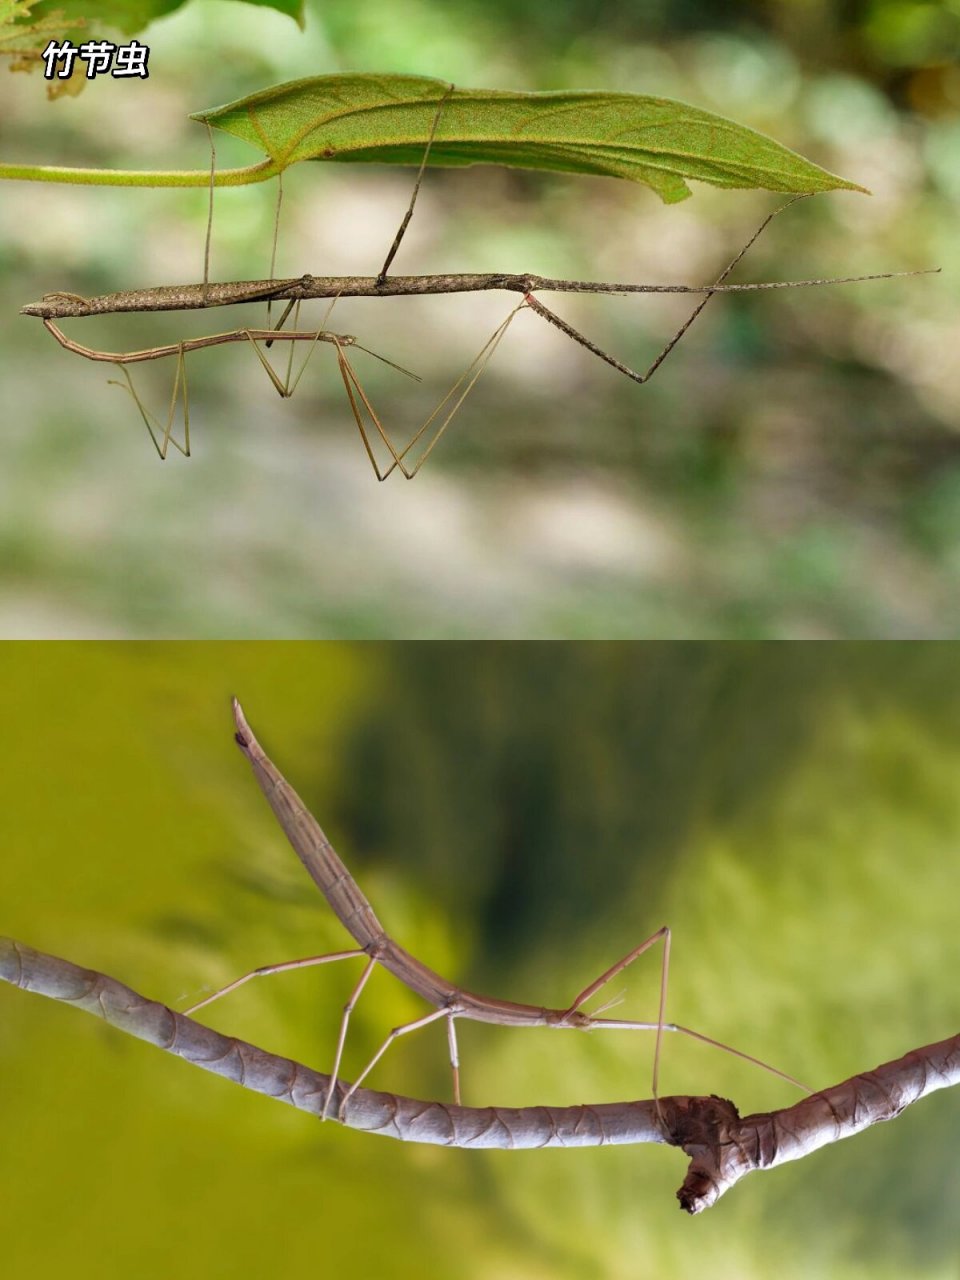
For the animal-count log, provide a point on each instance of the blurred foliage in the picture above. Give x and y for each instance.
(792, 470)
(890, 42)
(27, 26)
(520, 816)
(553, 749)
(23, 34)
(131, 16)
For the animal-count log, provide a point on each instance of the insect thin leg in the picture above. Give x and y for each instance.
(284, 388)
(178, 375)
(182, 375)
(206, 244)
(150, 422)
(266, 969)
(354, 388)
(473, 372)
(469, 376)
(392, 252)
(564, 327)
(295, 303)
(720, 279)
(276, 236)
(626, 1024)
(628, 959)
(348, 1008)
(454, 1056)
(319, 334)
(286, 381)
(394, 1034)
(747, 1057)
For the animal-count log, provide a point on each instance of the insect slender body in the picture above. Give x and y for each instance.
(373, 942)
(358, 917)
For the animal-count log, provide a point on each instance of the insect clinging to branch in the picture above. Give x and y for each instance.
(376, 947)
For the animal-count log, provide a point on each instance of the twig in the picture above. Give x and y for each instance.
(195, 297)
(723, 1146)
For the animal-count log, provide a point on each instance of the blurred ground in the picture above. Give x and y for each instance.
(793, 469)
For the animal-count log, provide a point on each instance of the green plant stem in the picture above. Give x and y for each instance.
(142, 178)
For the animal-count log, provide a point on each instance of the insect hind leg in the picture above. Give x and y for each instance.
(466, 381)
(154, 429)
(558, 322)
(289, 384)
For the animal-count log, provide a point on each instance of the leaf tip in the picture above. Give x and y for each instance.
(842, 184)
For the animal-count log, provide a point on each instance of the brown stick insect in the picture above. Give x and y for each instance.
(409, 459)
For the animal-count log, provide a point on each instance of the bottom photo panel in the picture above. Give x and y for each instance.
(479, 960)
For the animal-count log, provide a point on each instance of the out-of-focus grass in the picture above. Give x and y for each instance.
(792, 470)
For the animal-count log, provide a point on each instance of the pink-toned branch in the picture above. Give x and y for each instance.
(729, 1146)
(722, 1145)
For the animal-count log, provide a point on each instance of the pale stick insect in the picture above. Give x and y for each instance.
(723, 1145)
(378, 948)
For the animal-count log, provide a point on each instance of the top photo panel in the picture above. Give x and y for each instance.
(422, 320)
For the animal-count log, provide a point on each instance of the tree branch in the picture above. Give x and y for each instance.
(723, 1147)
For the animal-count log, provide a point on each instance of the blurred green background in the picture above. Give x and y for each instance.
(519, 816)
(793, 470)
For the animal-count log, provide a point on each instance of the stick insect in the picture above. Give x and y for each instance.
(723, 1145)
(378, 948)
(162, 436)
(406, 460)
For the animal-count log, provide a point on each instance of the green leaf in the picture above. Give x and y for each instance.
(131, 16)
(387, 119)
